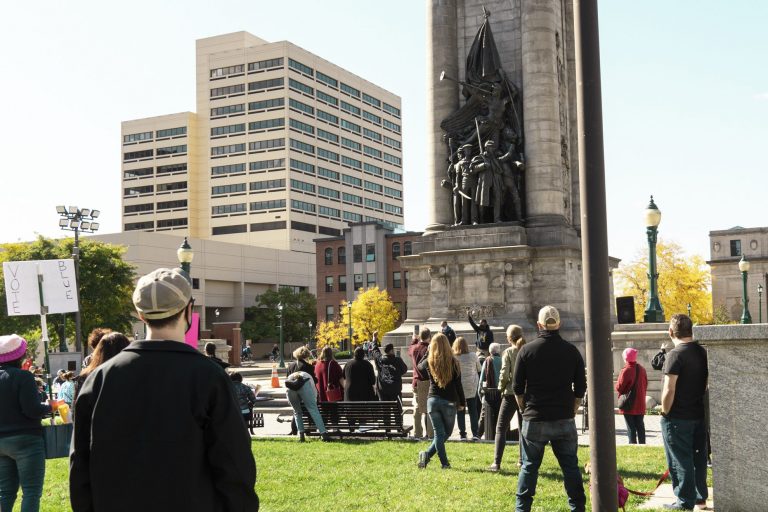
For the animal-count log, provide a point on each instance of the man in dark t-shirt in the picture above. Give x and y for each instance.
(682, 405)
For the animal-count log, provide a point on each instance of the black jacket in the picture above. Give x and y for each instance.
(550, 373)
(391, 370)
(360, 381)
(21, 410)
(158, 428)
(484, 334)
(301, 366)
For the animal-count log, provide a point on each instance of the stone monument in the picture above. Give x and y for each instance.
(503, 239)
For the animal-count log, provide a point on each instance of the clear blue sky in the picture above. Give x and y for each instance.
(685, 95)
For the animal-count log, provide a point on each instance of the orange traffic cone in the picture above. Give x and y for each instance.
(275, 378)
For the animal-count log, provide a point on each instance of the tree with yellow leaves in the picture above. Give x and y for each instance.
(372, 311)
(330, 334)
(683, 280)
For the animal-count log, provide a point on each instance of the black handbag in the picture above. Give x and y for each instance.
(627, 400)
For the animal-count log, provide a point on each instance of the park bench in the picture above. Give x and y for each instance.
(359, 419)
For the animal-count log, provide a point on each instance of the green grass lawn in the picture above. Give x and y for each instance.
(382, 476)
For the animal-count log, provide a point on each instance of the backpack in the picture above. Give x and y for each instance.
(657, 363)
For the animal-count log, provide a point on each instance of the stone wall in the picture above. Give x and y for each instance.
(738, 394)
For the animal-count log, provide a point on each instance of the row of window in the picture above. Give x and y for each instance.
(268, 226)
(161, 187)
(370, 253)
(161, 224)
(148, 153)
(151, 171)
(150, 207)
(159, 134)
(397, 281)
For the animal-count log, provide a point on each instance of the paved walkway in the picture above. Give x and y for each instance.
(665, 496)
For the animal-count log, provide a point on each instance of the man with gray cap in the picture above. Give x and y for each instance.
(158, 427)
(549, 383)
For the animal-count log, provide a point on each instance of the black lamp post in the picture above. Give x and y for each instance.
(746, 318)
(185, 255)
(77, 220)
(349, 309)
(759, 303)
(282, 341)
(310, 332)
(653, 312)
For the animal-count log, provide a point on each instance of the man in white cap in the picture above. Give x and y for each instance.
(158, 427)
(549, 383)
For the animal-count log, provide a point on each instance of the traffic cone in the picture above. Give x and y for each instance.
(275, 378)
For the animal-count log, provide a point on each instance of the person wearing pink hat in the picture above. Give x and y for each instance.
(633, 381)
(22, 450)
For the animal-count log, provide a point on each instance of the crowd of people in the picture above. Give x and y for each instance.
(156, 407)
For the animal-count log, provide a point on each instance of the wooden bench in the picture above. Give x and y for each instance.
(359, 419)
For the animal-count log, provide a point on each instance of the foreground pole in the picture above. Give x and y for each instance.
(597, 318)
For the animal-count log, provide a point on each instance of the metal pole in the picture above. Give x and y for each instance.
(78, 326)
(654, 312)
(349, 308)
(602, 435)
(746, 318)
(760, 307)
(282, 360)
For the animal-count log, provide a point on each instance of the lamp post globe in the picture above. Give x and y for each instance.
(746, 318)
(653, 312)
(185, 255)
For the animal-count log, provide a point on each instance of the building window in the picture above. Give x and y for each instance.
(229, 230)
(328, 313)
(170, 223)
(195, 283)
(358, 281)
(137, 137)
(135, 226)
(322, 77)
(357, 253)
(405, 275)
(329, 284)
(228, 208)
(370, 252)
(228, 110)
(138, 173)
(342, 256)
(265, 64)
(350, 90)
(395, 250)
(370, 280)
(407, 250)
(328, 256)
(266, 104)
(735, 247)
(266, 124)
(265, 84)
(342, 283)
(134, 155)
(396, 280)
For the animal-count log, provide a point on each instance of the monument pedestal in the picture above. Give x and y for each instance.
(492, 270)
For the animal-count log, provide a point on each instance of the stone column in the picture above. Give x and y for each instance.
(442, 100)
(545, 190)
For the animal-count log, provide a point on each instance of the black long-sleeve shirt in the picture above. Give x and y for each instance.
(22, 408)
(550, 373)
(453, 392)
(484, 334)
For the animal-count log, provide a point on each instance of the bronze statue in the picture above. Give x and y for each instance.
(489, 120)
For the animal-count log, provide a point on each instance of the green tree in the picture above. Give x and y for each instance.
(372, 310)
(262, 321)
(106, 284)
(683, 280)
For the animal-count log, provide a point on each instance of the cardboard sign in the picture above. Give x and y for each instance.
(21, 288)
(59, 285)
(23, 292)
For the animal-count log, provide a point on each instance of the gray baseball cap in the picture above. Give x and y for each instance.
(162, 293)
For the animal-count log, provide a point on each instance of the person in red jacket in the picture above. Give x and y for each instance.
(633, 375)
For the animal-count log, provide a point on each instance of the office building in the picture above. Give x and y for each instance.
(284, 147)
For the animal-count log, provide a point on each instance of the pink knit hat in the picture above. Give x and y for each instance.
(12, 347)
(630, 355)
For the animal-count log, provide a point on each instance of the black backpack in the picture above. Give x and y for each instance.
(657, 363)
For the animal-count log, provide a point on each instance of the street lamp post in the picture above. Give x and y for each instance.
(77, 219)
(310, 332)
(653, 313)
(280, 314)
(185, 255)
(759, 303)
(349, 309)
(746, 318)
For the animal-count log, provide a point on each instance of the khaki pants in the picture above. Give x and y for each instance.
(420, 409)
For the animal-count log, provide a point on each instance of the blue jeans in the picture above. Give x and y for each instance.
(307, 394)
(22, 462)
(443, 414)
(635, 428)
(685, 444)
(473, 417)
(561, 434)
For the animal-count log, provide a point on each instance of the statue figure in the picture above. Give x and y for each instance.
(490, 183)
(465, 207)
(512, 167)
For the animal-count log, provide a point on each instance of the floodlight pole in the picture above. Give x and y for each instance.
(597, 318)
(78, 325)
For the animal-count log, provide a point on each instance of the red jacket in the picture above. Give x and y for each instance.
(322, 372)
(627, 380)
(418, 352)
